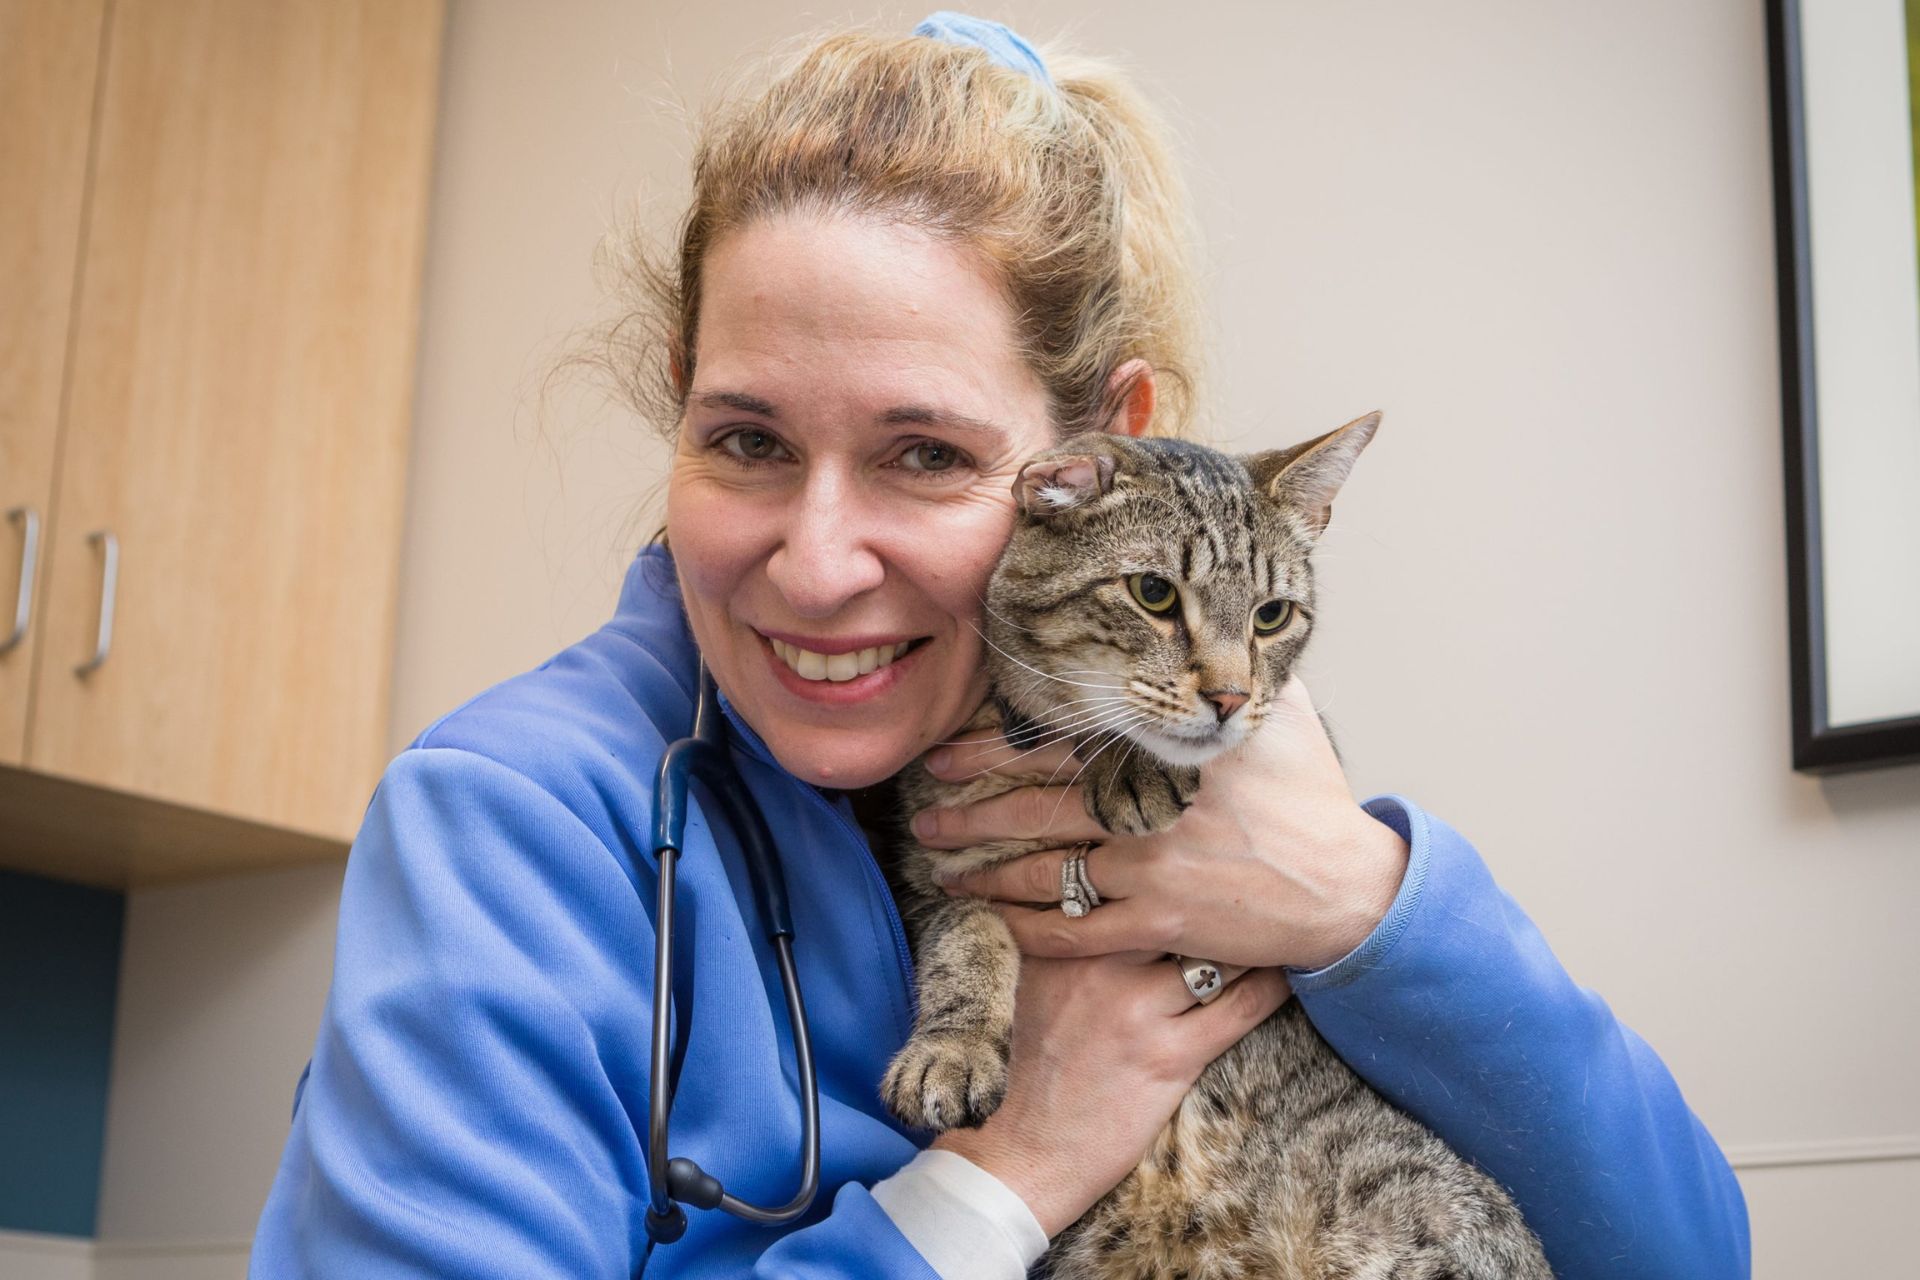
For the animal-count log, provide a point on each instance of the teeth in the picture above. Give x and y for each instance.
(836, 667)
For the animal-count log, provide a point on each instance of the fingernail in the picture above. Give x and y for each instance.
(925, 824)
(939, 760)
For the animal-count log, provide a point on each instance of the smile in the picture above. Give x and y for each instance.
(837, 668)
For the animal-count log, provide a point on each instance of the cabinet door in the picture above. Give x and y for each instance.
(242, 374)
(49, 54)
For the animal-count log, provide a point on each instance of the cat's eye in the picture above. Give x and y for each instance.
(1272, 616)
(1155, 593)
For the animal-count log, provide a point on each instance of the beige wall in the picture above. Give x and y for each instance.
(1538, 236)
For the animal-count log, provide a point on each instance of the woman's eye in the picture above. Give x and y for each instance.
(930, 455)
(750, 444)
(1155, 593)
(1272, 616)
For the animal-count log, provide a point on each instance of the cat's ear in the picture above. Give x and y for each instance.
(1048, 485)
(1307, 476)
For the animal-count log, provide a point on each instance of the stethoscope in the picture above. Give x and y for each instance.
(677, 1181)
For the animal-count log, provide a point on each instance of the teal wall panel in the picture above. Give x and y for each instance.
(59, 972)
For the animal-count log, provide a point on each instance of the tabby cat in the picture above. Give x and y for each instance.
(1158, 569)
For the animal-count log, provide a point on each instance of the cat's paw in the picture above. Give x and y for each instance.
(1124, 816)
(1141, 799)
(948, 1081)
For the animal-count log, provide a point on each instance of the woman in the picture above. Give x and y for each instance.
(910, 264)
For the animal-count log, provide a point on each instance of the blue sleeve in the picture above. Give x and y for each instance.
(1456, 1010)
(477, 1099)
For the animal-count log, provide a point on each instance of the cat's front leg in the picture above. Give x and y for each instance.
(1129, 794)
(952, 1073)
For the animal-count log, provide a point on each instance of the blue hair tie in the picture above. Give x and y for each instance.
(1002, 43)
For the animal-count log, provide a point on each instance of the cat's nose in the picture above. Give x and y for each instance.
(1225, 701)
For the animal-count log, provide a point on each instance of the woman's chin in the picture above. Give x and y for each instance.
(843, 761)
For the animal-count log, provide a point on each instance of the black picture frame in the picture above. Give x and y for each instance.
(1818, 746)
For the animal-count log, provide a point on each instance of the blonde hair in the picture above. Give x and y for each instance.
(1069, 192)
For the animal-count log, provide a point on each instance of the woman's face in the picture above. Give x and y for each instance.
(842, 485)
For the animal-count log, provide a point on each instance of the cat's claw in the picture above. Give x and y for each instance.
(942, 1082)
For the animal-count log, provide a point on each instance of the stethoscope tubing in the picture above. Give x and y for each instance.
(703, 755)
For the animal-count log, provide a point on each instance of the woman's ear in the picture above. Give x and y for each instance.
(1130, 391)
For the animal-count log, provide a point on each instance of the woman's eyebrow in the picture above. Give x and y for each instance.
(899, 415)
(739, 400)
(947, 419)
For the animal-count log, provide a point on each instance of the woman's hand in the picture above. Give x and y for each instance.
(1103, 1052)
(1273, 864)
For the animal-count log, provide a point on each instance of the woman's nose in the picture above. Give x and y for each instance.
(826, 554)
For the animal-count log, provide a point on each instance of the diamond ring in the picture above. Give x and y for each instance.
(1077, 894)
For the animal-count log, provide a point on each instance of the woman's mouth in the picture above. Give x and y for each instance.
(852, 674)
(836, 667)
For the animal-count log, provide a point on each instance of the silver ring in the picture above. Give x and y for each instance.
(1202, 978)
(1077, 895)
(1080, 852)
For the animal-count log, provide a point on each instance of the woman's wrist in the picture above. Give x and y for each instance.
(1374, 857)
(1052, 1205)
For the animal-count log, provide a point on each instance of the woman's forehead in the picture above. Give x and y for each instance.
(852, 298)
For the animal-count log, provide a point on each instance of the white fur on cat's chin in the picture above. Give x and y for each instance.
(1188, 751)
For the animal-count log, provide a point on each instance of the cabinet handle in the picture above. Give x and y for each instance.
(109, 580)
(29, 559)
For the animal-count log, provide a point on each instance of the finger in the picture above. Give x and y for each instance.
(1126, 925)
(1187, 998)
(1246, 1004)
(1296, 706)
(1294, 694)
(972, 755)
(1174, 991)
(1035, 878)
(1025, 813)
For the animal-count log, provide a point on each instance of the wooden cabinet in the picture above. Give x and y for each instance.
(238, 365)
(49, 54)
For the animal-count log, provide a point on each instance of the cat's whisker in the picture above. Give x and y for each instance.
(1095, 699)
(1117, 736)
(1087, 723)
(1055, 725)
(965, 742)
(1071, 702)
(1006, 621)
(1110, 733)
(1028, 666)
(1119, 723)
(1049, 726)
(1276, 707)
(1118, 727)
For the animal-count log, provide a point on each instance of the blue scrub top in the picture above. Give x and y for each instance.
(476, 1104)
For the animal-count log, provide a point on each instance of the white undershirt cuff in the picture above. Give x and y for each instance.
(965, 1222)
